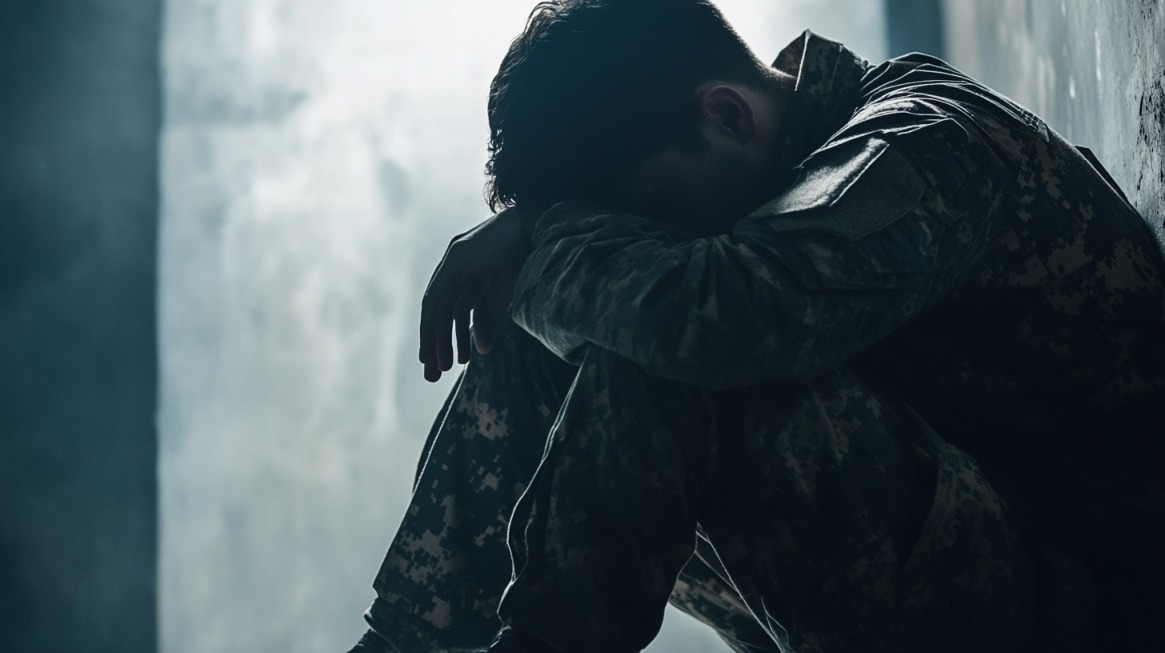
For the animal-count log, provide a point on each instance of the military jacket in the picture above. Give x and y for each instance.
(931, 232)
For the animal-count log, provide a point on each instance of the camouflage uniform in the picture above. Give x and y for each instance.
(841, 519)
(818, 499)
(947, 243)
(959, 255)
(442, 579)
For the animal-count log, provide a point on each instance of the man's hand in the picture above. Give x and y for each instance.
(475, 275)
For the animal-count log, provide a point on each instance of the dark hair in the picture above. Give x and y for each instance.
(591, 87)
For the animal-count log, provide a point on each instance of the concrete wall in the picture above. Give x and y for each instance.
(79, 121)
(79, 113)
(1094, 69)
(914, 26)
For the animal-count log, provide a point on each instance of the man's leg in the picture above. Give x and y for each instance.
(444, 573)
(817, 500)
(439, 585)
(705, 592)
(866, 531)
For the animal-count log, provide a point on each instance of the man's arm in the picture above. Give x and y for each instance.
(877, 230)
(475, 277)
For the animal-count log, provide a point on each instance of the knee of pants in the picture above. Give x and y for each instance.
(833, 454)
(969, 566)
(636, 422)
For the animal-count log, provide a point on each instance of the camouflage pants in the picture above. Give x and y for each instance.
(824, 517)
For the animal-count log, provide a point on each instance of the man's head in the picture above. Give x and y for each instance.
(655, 106)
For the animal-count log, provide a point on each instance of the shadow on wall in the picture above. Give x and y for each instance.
(79, 120)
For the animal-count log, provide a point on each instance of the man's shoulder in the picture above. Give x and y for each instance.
(920, 88)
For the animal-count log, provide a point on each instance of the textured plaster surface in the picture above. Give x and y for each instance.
(80, 105)
(1093, 69)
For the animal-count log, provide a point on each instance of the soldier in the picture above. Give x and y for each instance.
(791, 300)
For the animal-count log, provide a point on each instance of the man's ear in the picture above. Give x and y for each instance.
(726, 111)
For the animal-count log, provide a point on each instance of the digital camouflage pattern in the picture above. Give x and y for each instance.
(816, 500)
(442, 578)
(962, 257)
(833, 480)
(947, 242)
(441, 581)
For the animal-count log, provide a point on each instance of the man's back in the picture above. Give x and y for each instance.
(972, 260)
(1047, 360)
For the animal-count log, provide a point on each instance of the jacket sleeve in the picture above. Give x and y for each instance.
(876, 228)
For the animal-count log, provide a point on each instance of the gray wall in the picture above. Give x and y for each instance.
(1094, 70)
(79, 113)
(915, 26)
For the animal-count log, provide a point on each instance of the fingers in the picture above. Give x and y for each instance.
(430, 302)
(491, 312)
(443, 317)
(484, 323)
(440, 295)
(455, 291)
(445, 312)
(461, 324)
(430, 336)
(484, 330)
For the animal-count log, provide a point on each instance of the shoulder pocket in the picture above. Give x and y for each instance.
(866, 184)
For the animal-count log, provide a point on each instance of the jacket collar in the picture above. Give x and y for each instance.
(825, 96)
